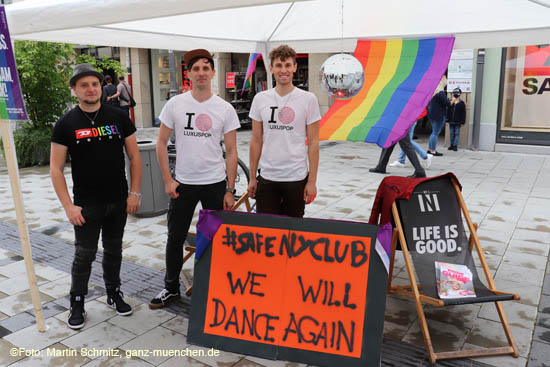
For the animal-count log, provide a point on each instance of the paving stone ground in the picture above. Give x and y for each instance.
(507, 194)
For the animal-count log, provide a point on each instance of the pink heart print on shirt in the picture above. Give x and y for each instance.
(203, 122)
(286, 115)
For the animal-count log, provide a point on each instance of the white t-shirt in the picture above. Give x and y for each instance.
(284, 120)
(199, 128)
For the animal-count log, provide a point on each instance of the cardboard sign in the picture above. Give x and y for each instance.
(230, 80)
(11, 100)
(310, 291)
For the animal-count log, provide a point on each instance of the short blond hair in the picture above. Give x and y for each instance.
(283, 52)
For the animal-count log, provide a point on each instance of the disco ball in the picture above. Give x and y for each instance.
(342, 76)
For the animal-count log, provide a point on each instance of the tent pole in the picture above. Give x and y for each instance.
(13, 171)
(267, 62)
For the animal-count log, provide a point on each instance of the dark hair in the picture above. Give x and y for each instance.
(457, 90)
(283, 52)
(108, 79)
(210, 61)
(121, 77)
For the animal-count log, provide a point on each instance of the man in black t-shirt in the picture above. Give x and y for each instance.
(95, 136)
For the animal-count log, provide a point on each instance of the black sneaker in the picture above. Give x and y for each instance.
(163, 298)
(77, 315)
(115, 299)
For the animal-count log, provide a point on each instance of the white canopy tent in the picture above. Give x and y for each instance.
(258, 25)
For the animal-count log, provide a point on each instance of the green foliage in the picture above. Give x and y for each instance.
(44, 70)
(102, 65)
(32, 145)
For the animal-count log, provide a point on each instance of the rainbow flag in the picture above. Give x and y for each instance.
(400, 78)
(250, 70)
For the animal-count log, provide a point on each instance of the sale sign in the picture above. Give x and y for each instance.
(230, 80)
(298, 289)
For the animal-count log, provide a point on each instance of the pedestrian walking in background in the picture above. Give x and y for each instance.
(95, 136)
(437, 111)
(123, 90)
(426, 157)
(456, 117)
(110, 94)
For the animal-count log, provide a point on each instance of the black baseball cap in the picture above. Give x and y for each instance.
(82, 70)
(196, 54)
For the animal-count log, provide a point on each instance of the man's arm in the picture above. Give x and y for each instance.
(313, 157)
(58, 157)
(170, 185)
(114, 95)
(256, 142)
(231, 158)
(133, 201)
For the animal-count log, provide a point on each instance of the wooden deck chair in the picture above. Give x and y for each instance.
(190, 244)
(436, 206)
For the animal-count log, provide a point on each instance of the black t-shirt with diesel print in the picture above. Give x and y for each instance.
(96, 147)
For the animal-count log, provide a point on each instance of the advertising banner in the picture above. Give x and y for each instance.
(12, 106)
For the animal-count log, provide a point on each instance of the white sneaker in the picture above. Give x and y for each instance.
(397, 164)
(428, 161)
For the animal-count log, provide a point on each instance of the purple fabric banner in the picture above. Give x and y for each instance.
(12, 106)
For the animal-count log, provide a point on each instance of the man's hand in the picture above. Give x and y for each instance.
(310, 192)
(171, 189)
(228, 201)
(132, 203)
(252, 185)
(74, 213)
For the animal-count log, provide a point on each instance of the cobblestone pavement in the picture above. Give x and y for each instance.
(507, 194)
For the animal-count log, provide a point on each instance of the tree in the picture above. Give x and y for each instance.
(44, 71)
(102, 65)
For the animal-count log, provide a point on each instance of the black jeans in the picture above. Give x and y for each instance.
(408, 148)
(180, 215)
(283, 198)
(109, 219)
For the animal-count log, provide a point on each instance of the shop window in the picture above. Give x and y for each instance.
(525, 96)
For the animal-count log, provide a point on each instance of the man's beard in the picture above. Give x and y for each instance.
(90, 102)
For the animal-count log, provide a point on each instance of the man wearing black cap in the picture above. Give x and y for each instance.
(95, 136)
(199, 120)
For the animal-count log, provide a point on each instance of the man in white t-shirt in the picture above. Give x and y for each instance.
(283, 120)
(199, 120)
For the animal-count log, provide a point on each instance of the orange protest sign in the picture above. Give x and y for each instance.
(286, 288)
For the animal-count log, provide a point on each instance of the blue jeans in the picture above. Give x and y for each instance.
(454, 130)
(436, 129)
(109, 219)
(417, 148)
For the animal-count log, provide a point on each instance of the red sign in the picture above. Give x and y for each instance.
(537, 60)
(230, 80)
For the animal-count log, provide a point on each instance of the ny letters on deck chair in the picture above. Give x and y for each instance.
(429, 228)
(192, 238)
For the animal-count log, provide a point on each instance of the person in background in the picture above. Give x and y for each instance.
(426, 157)
(110, 93)
(437, 110)
(123, 90)
(456, 117)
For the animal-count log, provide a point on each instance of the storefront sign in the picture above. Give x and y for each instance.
(294, 289)
(12, 106)
(230, 80)
(532, 87)
(459, 72)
